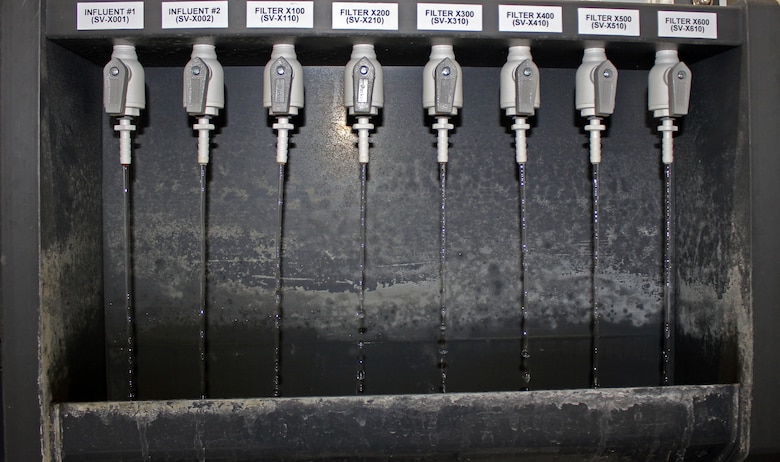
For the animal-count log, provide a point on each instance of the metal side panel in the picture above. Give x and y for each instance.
(19, 194)
(680, 423)
(763, 35)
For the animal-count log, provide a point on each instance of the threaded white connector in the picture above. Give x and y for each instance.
(442, 126)
(282, 127)
(363, 126)
(667, 129)
(595, 127)
(521, 147)
(203, 127)
(125, 142)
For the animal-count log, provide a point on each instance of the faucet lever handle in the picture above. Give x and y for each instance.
(526, 88)
(281, 86)
(116, 76)
(196, 81)
(679, 81)
(363, 76)
(446, 79)
(605, 77)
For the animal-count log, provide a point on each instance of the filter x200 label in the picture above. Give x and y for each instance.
(366, 16)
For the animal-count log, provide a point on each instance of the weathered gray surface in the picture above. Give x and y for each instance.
(71, 347)
(675, 423)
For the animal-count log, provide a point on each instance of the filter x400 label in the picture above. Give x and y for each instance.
(530, 18)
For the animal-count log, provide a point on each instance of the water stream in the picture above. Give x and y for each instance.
(525, 353)
(279, 313)
(202, 312)
(442, 277)
(595, 314)
(361, 311)
(130, 315)
(668, 280)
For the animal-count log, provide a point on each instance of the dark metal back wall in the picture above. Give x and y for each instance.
(713, 273)
(321, 219)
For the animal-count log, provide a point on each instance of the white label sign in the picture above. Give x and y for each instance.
(527, 18)
(194, 15)
(608, 21)
(288, 15)
(367, 16)
(109, 15)
(687, 24)
(449, 16)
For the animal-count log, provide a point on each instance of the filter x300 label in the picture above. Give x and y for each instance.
(451, 17)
